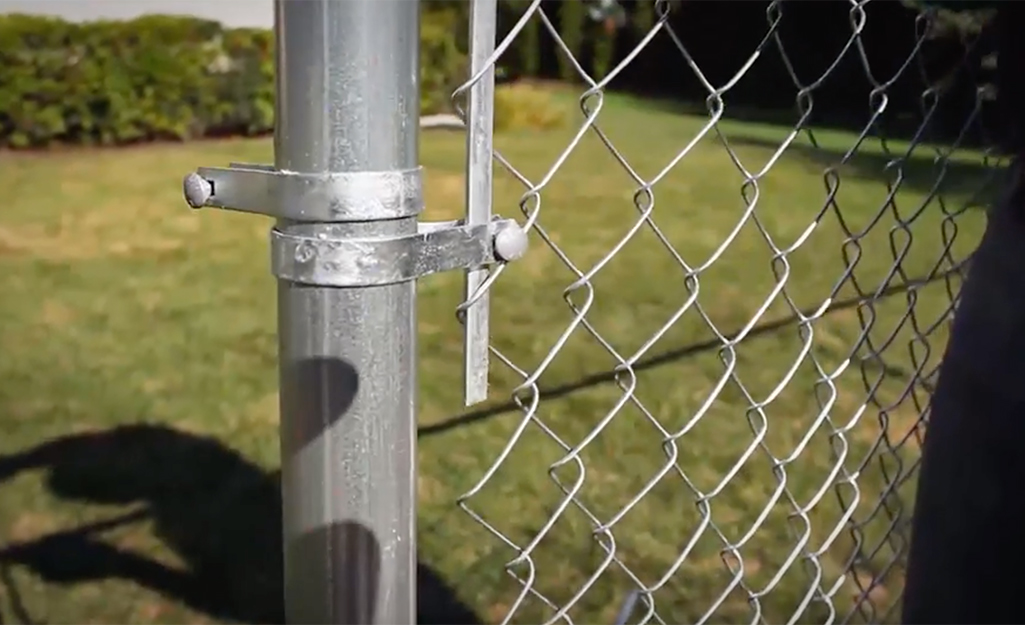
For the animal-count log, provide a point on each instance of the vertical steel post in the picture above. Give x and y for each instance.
(347, 248)
(348, 101)
(480, 125)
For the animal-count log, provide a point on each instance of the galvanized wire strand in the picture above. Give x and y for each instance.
(867, 357)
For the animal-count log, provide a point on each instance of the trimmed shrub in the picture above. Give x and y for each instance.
(118, 82)
(525, 106)
(160, 77)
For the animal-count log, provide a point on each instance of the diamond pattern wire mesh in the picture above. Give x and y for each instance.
(784, 494)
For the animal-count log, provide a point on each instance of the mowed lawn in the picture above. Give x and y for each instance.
(139, 410)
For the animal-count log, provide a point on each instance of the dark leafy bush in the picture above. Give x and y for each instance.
(572, 24)
(443, 66)
(159, 77)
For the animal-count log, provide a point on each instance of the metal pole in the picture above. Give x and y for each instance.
(347, 249)
(347, 101)
(480, 124)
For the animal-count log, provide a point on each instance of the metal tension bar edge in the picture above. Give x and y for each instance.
(336, 198)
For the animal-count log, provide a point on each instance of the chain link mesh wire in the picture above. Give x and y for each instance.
(783, 491)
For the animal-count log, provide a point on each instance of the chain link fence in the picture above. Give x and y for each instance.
(802, 326)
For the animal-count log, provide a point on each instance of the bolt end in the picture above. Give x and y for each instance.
(510, 243)
(197, 190)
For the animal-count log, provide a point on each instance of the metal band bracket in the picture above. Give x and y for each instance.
(436, 247)
(328, 197)
(312, 245)
(334, 198)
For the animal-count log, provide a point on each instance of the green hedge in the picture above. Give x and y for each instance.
(158, 77)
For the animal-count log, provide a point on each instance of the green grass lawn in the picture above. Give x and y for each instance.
(139, 409)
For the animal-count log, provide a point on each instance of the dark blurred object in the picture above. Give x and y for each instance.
(1011, 75)
(961, 5)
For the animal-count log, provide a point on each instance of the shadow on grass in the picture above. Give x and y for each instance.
(902, 127)
(975, 184)
(673, 355)
(218, 512)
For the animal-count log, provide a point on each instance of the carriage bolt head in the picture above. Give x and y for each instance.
(510, 243)
(198, 190)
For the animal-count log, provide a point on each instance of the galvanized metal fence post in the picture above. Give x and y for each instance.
(348, 103)
(347, 249)
(346, 190)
